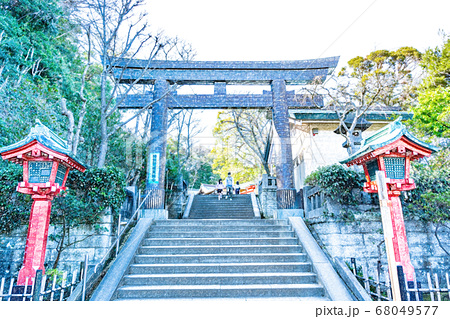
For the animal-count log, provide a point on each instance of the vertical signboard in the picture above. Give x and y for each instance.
(153, 169)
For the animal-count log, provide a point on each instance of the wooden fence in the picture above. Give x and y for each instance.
(56, 287)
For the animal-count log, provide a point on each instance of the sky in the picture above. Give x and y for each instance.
(247, 30)
(295, 30)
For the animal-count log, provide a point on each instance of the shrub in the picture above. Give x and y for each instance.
(85, 201)
(337, 182)
(430, 200)
(14, 207)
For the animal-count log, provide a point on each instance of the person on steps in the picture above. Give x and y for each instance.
(229, 185)
(237, 188)
(219, 188)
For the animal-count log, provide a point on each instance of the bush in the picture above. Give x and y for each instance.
(430, 200)
(337, 182)
(85, 201)
(88, 195)
(14, 207)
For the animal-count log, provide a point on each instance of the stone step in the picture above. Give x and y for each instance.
(215, 213)
(249, 222)
(249, 249)
(215, 228)
(220, 279)
(219, 241)
(220, 268)
(218, 258)
(209, 197)
(226, 216)
(223, 234)
(223, 202)
(227, 203)
(210, 207)
(220, 211)
(220, 291)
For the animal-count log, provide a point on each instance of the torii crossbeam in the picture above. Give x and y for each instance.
(277, 74)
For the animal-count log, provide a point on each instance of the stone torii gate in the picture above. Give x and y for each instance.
(277, 74)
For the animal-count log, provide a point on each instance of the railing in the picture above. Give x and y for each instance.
(89, 281)
(377, 288)
(433, 291)
(57, 287)
(380, 289)
(313, 199)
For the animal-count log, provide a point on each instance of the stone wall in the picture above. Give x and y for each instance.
(12, 247)
(348, 235)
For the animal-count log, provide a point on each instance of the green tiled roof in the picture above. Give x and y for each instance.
(46, 137)
(385, 136)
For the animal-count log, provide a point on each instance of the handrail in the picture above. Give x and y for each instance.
(92, 277)
(188, 206)
(256, 211)
(113, 246)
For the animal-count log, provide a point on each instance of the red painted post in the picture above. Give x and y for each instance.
(401, 249)
(36, 239)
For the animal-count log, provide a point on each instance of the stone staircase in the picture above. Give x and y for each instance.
(210, 207)
(233, 258)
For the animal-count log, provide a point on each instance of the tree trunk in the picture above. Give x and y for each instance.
(103, 120)
(60, 245)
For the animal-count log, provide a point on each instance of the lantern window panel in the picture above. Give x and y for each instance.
(39, 171)
(372, 168)
(60, 174)
(395, 167)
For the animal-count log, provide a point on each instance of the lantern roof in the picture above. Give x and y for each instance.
(385, 139)
(47, 138)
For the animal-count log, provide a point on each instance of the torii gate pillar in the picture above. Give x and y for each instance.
(284, 169)
(156, 157)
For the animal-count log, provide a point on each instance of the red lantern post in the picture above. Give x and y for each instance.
(46, 162)
(391, 151)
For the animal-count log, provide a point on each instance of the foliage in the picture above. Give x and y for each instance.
(34, 62)
(383, 80)
(436, 63)
(228, 158)
(85, 201)
(241, 139)
(196, 171)
(337, 182)
(430, 200)
(14, 207)
(432, 114)
(41, 63)
(94, 190)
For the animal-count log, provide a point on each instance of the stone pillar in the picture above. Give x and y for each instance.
(268, 196)
(156, 160)
(285, 167)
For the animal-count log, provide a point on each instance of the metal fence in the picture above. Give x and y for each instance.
(56, 287)
(379, 288)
